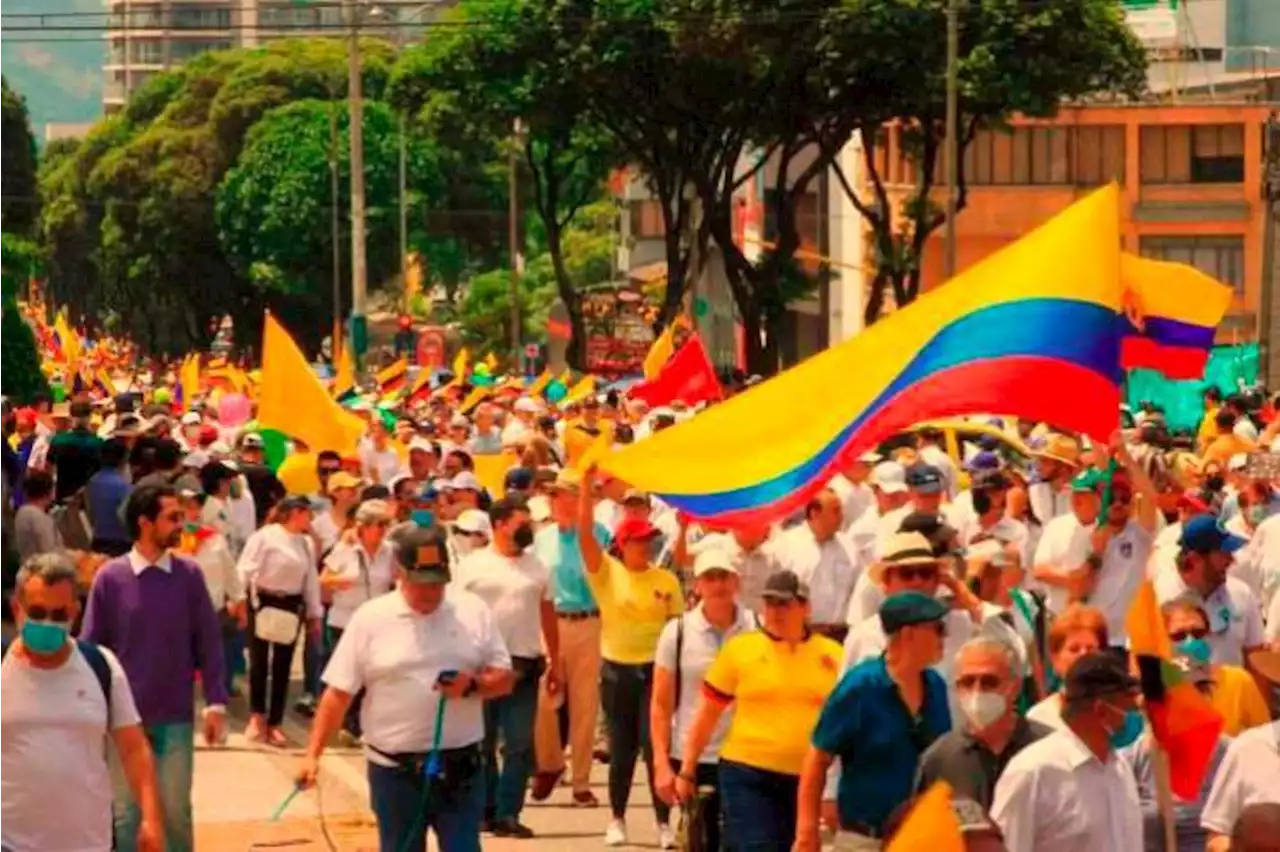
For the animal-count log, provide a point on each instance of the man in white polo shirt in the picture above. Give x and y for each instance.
(515, 584)
(427, 660)
(61, 699)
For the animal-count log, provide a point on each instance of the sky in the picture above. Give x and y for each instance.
(62, 80)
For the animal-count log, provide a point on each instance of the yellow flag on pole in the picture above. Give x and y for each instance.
(539, 383)
(461, 362)
(931, 824)
(661, 350)
(189, 378)
(345, 377)
(292, 400)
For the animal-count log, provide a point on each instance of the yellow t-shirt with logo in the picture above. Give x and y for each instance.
(777, 692)
(634, 607)
(1237, 697)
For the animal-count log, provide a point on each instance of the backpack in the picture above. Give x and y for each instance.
(97, 664)
(72, 521)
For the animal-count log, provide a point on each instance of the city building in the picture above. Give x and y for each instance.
(1205, 43)
(1192, 176)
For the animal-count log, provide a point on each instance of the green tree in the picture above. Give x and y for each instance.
(1015, 58)
(20, 377)
(471, 83)
(20, 207)
(274, 206)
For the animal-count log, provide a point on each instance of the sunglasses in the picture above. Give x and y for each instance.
(1194, 633)
(909, 573)
(986, 682)
(43, 613)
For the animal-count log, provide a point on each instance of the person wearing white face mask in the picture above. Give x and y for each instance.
(971, 757)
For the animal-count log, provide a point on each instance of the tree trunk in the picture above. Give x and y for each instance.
(875, 297)
(576, 353)
(752, 318)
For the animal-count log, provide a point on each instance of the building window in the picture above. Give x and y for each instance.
(184, 49)
(199, 17)
(146, 18)
(1201, 153)
(147, 52)
(1099, 155)
(646, 219)
(116, 52)
(1221, 258)
(288, 16)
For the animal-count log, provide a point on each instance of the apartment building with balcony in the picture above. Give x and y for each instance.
(1192, 180)
(145, 37)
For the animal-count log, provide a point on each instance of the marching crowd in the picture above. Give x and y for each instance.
(929, 616)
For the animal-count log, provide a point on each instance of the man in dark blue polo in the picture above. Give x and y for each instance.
(881, 717)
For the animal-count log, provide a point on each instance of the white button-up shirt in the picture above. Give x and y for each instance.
(829, 568)
(396, 656)
(370, 577)
(277, 561)
(1056, 796)
(514, 587)
(1249, 773)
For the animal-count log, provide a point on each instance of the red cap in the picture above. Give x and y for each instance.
(1192, 499)
(206, 435)
(26, 417)
(633, 529)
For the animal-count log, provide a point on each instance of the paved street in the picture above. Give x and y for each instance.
(238, 788)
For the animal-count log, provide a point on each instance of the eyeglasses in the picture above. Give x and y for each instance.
(1183, 635)
(910, 573)
(43, 613)
(986, 682)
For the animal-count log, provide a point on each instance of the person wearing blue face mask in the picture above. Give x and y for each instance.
(1071, 790)
(1233, 690)
(61, 699)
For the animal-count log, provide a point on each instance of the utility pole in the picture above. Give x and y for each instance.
(513, 235)
(404, 218)
(355, 110)
(953, 133)
(335, 234)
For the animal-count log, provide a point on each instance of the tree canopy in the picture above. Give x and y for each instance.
(20, 204)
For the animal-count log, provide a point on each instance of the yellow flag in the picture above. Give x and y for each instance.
(491, 361)
(67, 338)
(539, 383)
(292, 400)
(931, 824)
(345, 378)
(491, 470)
(189, 378)
(473, 399)
(660, 351)
(583, 389)
(566, 378)
(460, 362)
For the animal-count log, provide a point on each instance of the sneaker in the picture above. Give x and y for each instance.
(585, 799)
(666, 837)
(306, 705)
(616, 833)
(544, 784)
(510, 827)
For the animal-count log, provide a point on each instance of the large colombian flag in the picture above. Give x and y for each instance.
(1172, 310)
(1032, 331)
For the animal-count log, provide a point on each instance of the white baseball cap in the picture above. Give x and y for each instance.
(526, 404)
(191, 418)
(713, 559)
(890, 477)
(474, 521)
(465, 481)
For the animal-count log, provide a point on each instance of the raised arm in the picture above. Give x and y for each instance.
(592, 554)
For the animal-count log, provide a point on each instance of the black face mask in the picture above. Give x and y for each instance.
(981, 501)
(523, 536)
(1216, 482)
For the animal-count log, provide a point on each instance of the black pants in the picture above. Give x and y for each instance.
(708, 777)
(350, 722)
(624, 697)
(270, 661)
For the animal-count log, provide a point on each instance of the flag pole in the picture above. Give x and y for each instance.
(1164, 796)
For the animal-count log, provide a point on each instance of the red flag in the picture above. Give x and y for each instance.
(687, 376)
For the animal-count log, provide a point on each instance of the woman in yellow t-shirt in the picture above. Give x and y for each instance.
(777, 679)
(636, 599)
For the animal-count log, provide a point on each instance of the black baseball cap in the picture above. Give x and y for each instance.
(924, 478)
(1098, 675)
(423, 556)
(785, 587)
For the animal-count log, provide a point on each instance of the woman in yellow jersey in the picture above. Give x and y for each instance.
(777, 679)
(636, 599)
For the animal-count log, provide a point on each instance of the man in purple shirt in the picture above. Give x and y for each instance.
(152, 609)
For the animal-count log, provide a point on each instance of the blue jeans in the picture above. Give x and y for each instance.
(511, 718)
(759, 808)
(173, 745)
(453, 810)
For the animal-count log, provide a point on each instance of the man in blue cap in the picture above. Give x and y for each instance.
(1204, 558)
(881, 717)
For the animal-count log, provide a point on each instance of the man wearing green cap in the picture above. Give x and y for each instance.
(1097, 553)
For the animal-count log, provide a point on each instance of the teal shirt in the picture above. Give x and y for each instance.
(559, 551)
